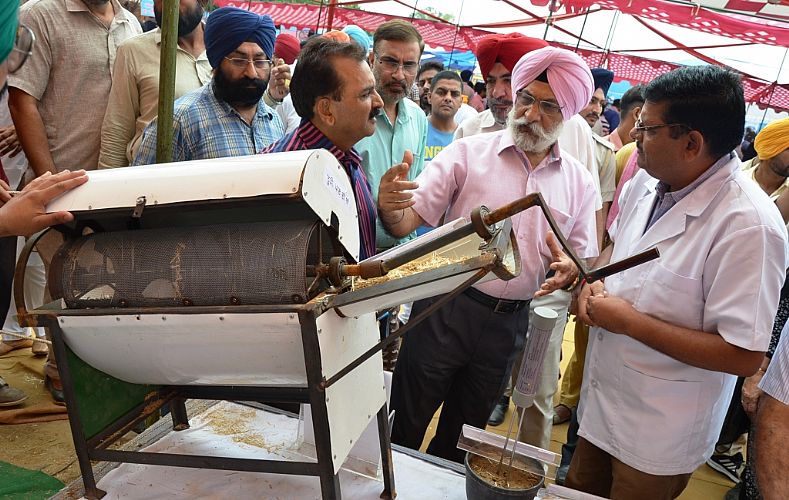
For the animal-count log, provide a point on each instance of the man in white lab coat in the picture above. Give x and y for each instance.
(671, 336)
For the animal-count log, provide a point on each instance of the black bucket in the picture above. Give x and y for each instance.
(479, 489)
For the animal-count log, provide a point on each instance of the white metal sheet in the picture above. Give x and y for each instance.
(214, 179)
(202, 349)
(328, 191)
(353, 401)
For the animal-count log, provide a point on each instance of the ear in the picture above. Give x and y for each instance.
(695, 145)
(371, 58)
(324, 110)
(635, 112)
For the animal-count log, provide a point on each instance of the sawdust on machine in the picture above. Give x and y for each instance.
(237, 425)
(428, 263)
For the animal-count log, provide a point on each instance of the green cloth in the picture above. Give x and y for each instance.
(7, 29)
(385, 149)
(26, 484)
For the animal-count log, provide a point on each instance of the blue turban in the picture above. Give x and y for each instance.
(603, 79)
(358, 35)
(7, 29)
(229, 27)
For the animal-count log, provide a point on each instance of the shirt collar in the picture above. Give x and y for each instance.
(79, 6)
(506, 142)
(487, 119)
(313, 138)
(662, 189)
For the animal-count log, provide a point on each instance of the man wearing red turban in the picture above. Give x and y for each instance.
(497, 55)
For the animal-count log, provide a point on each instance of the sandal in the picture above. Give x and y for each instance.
(561, 414)
(40, 348)
(7, 346)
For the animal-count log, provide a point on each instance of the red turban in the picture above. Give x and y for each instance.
(505, 49)
(287, 47)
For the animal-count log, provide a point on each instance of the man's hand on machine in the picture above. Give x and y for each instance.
(25, 213)
(565, 270)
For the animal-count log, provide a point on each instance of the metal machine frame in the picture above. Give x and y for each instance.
(96, 447)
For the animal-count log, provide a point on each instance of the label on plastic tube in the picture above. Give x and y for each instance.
(539, 336)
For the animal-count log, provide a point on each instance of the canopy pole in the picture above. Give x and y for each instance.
(330, 15)
(775, 84)
(548, 19)
(583, 26)
(164, 130)
(610, 39)
(454, 38)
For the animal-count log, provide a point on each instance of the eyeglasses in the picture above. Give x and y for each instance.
(240, 62)
(23, 47)
(640, 128)
(546, 107)
(392, 65)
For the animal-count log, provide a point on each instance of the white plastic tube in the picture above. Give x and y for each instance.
(539, 335)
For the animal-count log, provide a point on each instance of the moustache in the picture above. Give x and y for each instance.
(493, 101)
(375, 112)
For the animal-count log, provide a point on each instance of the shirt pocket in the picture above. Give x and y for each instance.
(657, 416)
(673, 298)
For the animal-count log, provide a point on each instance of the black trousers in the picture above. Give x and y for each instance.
(460, 356)
(7, 267)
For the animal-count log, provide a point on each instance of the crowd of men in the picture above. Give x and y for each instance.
(669, 355)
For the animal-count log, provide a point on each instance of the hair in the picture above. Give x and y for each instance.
(480, 87)
(397, 30)
(438, 66)
(633, 97)
(708, 99)
(445, 75)
(617, 102)
(466, 75)
(315, 75)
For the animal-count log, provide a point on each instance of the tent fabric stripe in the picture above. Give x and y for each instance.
(443, 35)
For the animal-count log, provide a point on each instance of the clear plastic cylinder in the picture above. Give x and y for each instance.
(540, 327)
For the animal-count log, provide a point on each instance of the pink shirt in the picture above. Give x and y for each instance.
(614, 139)
(487, 170)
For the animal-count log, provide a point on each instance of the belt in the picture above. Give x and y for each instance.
(501, 306)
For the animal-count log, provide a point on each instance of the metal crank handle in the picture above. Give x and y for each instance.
(621, 265)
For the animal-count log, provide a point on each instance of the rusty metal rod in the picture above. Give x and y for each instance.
(621, 265)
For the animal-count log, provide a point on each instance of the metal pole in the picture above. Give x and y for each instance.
(330, 16)
(164, 130)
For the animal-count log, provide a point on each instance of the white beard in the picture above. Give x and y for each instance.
(544, 140)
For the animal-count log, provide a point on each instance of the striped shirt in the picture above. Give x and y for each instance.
(206, 127)
(307, 136)
(776, 381)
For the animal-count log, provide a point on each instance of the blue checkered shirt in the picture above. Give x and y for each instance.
(206, 127)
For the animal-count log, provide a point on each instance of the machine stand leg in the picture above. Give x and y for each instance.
(178, 413)
(75, 422)
(389, 492)
(330, 482)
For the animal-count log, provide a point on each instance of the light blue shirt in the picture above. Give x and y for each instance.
(386, 147)
(206, 127)
(436, 141)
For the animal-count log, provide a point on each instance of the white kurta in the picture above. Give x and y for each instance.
(723, 256)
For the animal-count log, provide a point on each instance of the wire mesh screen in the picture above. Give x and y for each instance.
(227, 264)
